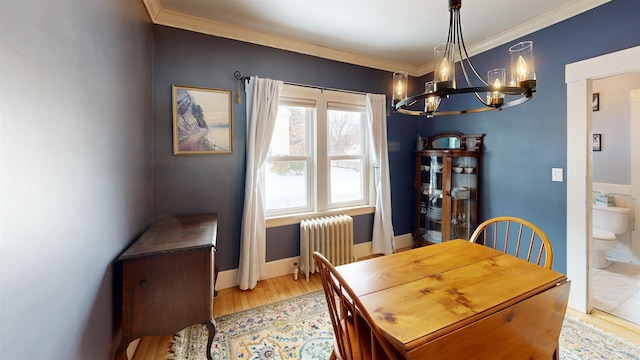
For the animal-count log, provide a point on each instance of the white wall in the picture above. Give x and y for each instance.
(75, 169)
(613, 120)
(612, 166)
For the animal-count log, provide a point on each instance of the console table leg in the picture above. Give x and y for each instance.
(211, 327)
(121, 353)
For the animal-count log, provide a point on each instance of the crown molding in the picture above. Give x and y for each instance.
(197, 24)
(153, 8)
(553, 17)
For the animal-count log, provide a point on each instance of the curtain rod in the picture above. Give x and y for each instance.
(239, 77)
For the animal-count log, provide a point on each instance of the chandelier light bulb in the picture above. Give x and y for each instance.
(400, 81)
(444, 69)
(431, 102)
(496, 78)
(399, 87)
(523, 72)
(522, 69)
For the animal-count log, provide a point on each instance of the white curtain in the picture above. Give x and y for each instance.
(383, 241)
(262, 109)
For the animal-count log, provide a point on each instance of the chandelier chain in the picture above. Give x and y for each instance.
(458, 40)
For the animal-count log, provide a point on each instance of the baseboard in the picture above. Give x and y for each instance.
(404, 241)
(229, 278)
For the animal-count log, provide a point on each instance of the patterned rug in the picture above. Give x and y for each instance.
(299, 328)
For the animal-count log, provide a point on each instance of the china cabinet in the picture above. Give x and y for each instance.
(447, 175)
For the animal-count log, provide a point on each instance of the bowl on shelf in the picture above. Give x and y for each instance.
(433, 236)
(438, 167)
(434, 212)
(457, 170)
(468, 170)
(460, 193)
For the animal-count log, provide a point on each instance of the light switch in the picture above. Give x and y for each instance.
(556, 174)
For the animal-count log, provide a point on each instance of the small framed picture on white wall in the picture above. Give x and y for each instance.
(597, 142)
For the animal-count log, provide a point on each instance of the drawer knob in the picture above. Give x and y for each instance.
(143, 282)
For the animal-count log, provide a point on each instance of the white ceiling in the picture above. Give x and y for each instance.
(385, 34)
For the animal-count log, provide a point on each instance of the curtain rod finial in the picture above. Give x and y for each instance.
(238, 76)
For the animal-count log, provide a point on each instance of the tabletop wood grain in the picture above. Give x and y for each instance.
(420, 295)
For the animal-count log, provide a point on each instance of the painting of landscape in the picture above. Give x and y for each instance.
(201, 121)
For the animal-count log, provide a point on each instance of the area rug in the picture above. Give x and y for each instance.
(299, 328)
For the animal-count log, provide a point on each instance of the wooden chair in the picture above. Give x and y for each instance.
(517, 237)
(356, 336)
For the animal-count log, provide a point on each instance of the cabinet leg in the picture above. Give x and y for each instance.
(121, 353)
(211, 327)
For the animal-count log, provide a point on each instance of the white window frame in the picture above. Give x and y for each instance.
(364, 156)
(319, 169)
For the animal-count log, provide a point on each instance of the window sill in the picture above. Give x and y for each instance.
(295, 219)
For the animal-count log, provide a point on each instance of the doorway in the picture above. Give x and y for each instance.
(579, 77)
(615, 288)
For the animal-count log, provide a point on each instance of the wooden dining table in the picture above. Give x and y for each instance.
(461, 300)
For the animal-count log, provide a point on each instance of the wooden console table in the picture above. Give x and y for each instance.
(168, 279)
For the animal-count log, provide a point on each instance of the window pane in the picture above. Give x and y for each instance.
(346, 181)
(345, 132)
(286, 185)
(290, 131)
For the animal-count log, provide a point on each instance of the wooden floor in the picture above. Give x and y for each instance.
(232, 300)
(609, 323)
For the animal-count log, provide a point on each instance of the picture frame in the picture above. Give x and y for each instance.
(597, 142)
(202, 121)
(596, 102)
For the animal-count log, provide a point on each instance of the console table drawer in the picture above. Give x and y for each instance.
(167, 291)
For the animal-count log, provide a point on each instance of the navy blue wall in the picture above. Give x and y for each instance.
(192, 184)
(522, 144)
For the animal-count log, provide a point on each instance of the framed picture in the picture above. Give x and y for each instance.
(596, 102)
(201, 121)
(597, 142)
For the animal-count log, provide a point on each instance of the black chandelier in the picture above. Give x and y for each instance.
(522, 81)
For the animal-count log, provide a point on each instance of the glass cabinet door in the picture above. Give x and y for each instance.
(431, 201)
(448, 194)
(464, 192)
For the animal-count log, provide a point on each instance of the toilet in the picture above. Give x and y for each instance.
(608, 221)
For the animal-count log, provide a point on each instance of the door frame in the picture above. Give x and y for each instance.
(579, 77)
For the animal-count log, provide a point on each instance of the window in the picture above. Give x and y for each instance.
(317, 159)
